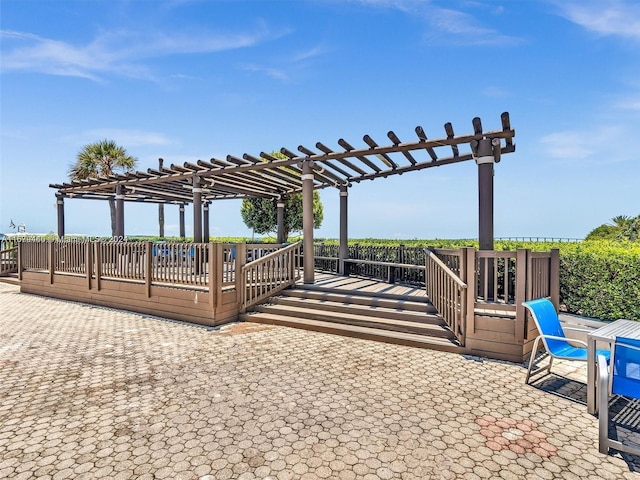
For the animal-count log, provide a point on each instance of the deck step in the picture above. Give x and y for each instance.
(347, 317)
(367, 333)
(419, 304)
(358, 293)
(403, 319)
(11, 278)
(393, 311)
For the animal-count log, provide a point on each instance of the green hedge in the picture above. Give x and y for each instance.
(601, 279)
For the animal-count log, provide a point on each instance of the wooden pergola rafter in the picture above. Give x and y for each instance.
(270, 177)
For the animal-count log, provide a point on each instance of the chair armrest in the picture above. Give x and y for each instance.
(603, 374)
(626, 345)
(583, 330)
(565, 339)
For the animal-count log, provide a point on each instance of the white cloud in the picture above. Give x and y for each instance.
(460, 28)
(307, 54)
(455, 27)
(125, 137)
(604, 144)
(567, 145)
(604, 17)
(269, 71)
(114, 52)
(632, 104)
(289, 67)
(496, 92)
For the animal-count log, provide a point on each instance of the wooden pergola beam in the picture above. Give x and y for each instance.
(272, 177)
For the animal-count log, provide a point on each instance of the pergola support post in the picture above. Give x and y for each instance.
(485, 159)
(205, 222)
(160, 207)
(197, 210)
(119, 212)
(343, 249)
(182, 229)
(280, 221)
(60, 208)
(307, 221)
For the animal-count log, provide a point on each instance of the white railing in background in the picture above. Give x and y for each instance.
(269, 274)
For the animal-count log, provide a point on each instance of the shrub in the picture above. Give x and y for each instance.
(601, 279)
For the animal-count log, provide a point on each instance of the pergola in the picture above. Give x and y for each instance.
(302, 171)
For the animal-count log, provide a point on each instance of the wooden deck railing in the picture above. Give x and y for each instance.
(34, 255)
(447, 292)
(499, 281)
(72, 257)
(181, 263)
(387, 263)
(8, 260)
(166, 263)
(269, 274)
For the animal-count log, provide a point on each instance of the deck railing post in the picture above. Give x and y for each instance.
(212, 252)
(554, 280)
(148, 267)
(88, 265)
(241, 261)
(468, 264)
(51, 265)
(97, 256)
(220, 274)
(522, 287)
(20, 257)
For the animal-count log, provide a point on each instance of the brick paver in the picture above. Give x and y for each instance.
(88, 393)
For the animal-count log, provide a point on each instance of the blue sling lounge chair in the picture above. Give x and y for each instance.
(553, 337)
(623, 379)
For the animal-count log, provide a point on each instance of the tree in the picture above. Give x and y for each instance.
(621, 227)
(631, 230)
(621, 221)
(603, 232)
(101, 159)
(261, 214)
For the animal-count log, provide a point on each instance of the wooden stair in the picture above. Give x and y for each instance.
(11, 278)
(374, 316)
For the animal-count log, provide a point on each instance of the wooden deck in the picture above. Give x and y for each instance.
(364, 285)
(463, 305)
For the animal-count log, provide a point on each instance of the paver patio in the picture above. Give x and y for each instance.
(89, 392)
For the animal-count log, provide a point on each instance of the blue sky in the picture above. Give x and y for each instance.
(187, 80)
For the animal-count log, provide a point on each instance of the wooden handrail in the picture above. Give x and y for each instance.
(447, 293)
(384, 264)
(271, 255)
(446, 269)
(268, 275)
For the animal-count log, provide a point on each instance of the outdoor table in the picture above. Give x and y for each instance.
(606, 333)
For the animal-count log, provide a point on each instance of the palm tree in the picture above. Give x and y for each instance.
(101, 159)
(621, 221)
